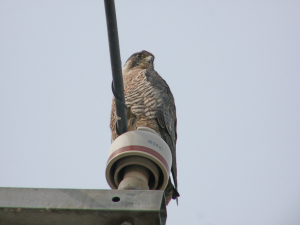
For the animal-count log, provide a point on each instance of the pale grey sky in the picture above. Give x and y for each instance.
(233, 68)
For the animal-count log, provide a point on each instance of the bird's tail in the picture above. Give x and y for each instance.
(171, 193)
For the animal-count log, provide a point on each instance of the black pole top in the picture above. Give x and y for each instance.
(115, 59)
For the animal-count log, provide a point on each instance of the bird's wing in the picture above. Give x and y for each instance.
(165, 115)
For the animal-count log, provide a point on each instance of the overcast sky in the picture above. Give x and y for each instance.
(233, 68)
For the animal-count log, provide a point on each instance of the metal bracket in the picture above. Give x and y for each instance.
(41, 206)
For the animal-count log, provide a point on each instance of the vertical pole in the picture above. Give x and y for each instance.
(118, 86)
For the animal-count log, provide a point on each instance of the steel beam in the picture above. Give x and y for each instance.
(39, 206)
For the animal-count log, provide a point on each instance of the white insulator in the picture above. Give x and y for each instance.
(141, 147)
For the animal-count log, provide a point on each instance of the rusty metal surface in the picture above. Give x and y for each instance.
(43, 206)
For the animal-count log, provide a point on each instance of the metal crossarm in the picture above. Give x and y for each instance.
(42, 206)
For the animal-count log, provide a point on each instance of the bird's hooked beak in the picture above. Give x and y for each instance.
(149, 59)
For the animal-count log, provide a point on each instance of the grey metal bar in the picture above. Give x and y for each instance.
(118, 87)
(39, 206)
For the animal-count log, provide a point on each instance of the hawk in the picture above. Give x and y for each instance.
(150, 103)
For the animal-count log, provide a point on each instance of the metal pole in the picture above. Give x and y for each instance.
(118, 86)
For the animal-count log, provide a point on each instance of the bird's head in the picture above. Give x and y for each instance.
(140, 60)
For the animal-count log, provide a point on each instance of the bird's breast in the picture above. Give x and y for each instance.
(142, 98)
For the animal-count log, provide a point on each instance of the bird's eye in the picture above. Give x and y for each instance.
(140, 55)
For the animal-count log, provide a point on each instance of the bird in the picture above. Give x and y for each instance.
(150, 103)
